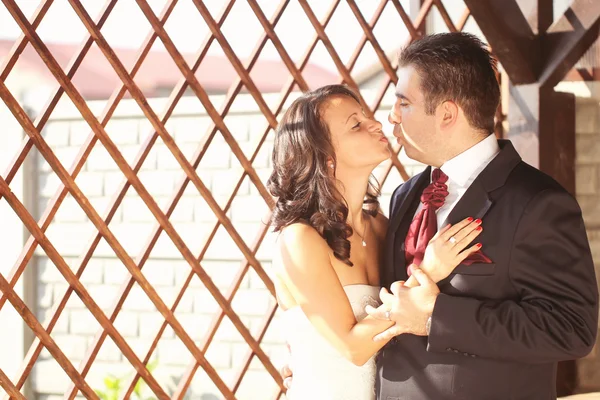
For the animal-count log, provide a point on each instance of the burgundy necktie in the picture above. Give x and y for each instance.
(424, 225)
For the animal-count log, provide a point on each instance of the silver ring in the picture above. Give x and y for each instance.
(387, 315)
(452, 240)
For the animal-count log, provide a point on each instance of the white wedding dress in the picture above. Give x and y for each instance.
(319, 371)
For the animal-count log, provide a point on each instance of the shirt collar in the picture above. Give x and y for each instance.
(462, 167)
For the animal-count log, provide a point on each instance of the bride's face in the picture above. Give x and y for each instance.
(357, 140)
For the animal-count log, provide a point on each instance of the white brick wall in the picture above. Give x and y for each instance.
(588, 195)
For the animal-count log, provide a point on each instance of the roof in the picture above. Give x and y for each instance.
(95, 78)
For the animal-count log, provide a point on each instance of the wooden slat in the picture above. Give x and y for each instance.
(8, 386)
(34, 229)
(511, 37)
(347, 78)
(59, 196)
(131, 179)
(568, 39)
(445, 15)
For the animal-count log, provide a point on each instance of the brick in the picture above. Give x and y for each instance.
(104, 295)
(159, 272)
(249, 209)
(195, 325)
(169, 294)
(48, 377)
(93, 271)
(223, 183)
(70, 238)
(79, 131)
(44, 315)
(591, 209)
(137, 300)
(73, 346)
(264, 157)
(115, 273)
(191, 129)
(69, 211)
(109, 351)
(219, 355)
(83, 322)
(111, 182)
(204, 302)
(132, 235)
(588, 149)
(127, 323)
(587, 116)
(48, 272)
(48, 183)
(586, 179)
(223, 247)
(158, 182)
(100, 160)
(90, 183)
(218, 155)
(173, 352)
(135, 210)
(166, 160)
(44, 295)
(56, 134)
(150, 323)
(123, 131)
(66, 156)
(202, 211)
(184, 211)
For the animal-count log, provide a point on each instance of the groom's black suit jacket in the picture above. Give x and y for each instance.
(498, 330)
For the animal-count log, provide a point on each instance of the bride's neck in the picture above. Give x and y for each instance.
(352, 185)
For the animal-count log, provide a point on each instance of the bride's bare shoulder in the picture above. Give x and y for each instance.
(300, 241)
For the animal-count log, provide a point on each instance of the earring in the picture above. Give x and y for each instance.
(331, 166)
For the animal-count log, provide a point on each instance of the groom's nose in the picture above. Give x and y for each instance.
(393, 118)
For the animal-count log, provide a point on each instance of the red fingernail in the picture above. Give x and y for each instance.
(469, 219)
(479, 245)
(479, 228)
(478, 221)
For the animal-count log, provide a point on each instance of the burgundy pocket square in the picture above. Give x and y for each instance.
(477, 257)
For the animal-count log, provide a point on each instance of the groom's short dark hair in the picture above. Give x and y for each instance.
(457, 67)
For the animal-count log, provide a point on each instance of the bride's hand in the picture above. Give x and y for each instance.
(448, 248)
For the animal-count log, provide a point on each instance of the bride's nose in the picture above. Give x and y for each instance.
(375, 126)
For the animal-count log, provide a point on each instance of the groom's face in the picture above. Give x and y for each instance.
(413, 128)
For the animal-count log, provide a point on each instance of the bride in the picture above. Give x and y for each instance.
(330, 243)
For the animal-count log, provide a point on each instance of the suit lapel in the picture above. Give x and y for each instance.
(476, 201)
(406, 197)
(403, 199)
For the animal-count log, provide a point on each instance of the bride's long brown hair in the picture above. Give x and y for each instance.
(305, 189)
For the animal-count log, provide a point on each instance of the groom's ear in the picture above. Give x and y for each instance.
(448, 113)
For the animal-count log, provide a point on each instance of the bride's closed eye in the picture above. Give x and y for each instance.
(356, 126)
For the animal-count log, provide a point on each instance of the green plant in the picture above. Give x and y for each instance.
(113, 385)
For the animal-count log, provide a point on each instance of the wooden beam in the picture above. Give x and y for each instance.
(508, 32)
(568, 39)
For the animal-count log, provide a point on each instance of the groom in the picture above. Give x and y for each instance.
(494, 329)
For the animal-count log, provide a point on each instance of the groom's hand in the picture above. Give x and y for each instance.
(409, 307)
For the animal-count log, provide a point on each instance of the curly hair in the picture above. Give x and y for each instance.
(302, 183)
